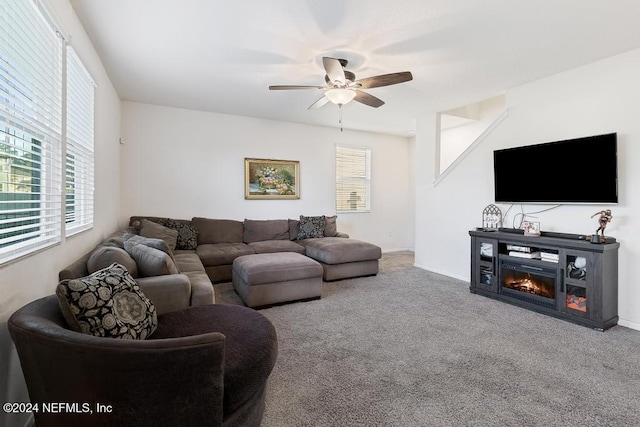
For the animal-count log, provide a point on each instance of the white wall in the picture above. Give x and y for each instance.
(598, 98)
(455, 140)
(37, 275)
(184, 163)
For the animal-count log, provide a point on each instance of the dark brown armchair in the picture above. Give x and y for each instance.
(181, 378)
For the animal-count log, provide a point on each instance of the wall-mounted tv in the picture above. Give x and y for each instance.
(581, 170)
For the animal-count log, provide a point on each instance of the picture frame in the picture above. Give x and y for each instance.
(268, 179)
(531, 228)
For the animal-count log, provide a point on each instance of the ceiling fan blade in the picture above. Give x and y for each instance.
(334, 70)
(384, 80)
(319, 103)
(366, 99)
(294, 87)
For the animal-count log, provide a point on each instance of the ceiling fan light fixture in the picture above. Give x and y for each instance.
(340, 96)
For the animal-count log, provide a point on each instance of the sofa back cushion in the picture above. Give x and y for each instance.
(218, 230)
(261, 230)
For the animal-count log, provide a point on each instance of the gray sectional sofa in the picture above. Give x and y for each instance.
(205, 248)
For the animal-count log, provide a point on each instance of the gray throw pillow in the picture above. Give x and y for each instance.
(107, 303)
(104, 256)
(311, 227)
(187, 234)
(330, 226)
(151, 261)
(147, 241)
(157, 231)
(293, 229)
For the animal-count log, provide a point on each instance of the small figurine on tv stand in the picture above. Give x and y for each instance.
(603, 220)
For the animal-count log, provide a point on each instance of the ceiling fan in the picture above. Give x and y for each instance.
(342, 87)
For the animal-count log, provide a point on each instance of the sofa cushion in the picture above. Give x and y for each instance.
(271, 229)
(157, 231)
(270, 246)
(311, 227)
(330, 226)
(214, 254)
(151, 261)
(187, 261)
(187, 233)
(201, 287)
(104, 256)
(218, 230)
(107, 303)
(338, 250)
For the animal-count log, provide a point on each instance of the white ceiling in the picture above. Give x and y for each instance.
(221, 56)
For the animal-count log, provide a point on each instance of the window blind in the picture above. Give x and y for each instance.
(353, 179)
(79, 164)
(30, 130)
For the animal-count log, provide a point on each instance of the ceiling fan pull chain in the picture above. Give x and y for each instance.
(340, 116)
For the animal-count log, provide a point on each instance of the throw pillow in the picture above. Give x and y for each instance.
(311, 227)
(104, 256)
(151, 261)
(293, 229)
(107, 303)
(187, 233)
(330, 226)
(147, 241)
(157, 231)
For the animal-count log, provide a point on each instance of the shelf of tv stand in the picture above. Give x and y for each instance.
(599, 285)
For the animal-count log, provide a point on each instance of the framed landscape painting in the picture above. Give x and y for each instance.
(271, 179)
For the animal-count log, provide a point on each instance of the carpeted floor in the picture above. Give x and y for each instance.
(413, 348)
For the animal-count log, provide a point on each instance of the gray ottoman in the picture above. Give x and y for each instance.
(343, 258)
(263, 280)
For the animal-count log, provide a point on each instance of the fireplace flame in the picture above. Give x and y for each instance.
(529, 286)
(529, 283)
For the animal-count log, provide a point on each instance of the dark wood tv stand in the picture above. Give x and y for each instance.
(567, 277)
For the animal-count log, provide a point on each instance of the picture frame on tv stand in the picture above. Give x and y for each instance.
(531, 228)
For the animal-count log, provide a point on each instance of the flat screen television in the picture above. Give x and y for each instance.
(581, 170)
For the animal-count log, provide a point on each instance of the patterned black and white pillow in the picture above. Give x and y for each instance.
(107, 303)
(187, 234)
(310, 227)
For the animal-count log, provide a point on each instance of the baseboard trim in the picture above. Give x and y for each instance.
(387, 251)
(628, 324)
(444, 273)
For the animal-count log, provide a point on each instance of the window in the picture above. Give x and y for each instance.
(353, 179)
(30, 130)
(79, 155)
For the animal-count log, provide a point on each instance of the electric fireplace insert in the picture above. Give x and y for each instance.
(529, 283)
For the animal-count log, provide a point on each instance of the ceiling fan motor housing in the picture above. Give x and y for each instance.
(348, 76)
